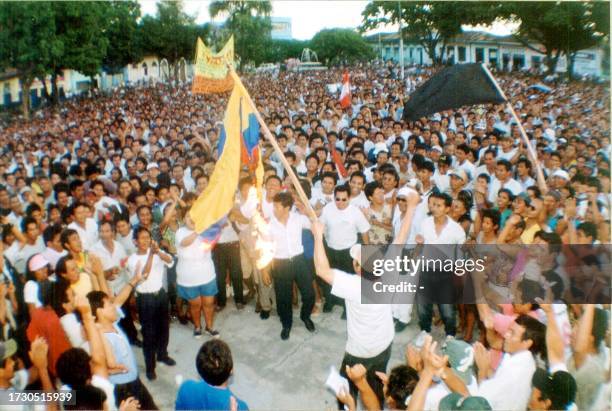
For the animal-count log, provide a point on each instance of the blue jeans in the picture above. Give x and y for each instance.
(447, 311)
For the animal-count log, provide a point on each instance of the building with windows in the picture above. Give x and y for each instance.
(281, 28)
(71, 82)
(503, 52)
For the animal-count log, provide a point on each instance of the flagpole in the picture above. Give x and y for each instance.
(530, 150)
(272, 140)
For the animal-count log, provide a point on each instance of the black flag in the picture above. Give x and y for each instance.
(452, 87)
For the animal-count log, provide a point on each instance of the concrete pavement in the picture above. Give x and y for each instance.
(269, 374)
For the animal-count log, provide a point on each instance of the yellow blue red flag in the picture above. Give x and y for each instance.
(238, 147)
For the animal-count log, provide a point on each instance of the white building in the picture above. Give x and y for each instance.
(503, 52)
(281, 28)
(71, 82)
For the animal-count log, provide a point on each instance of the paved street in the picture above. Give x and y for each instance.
(268, 373)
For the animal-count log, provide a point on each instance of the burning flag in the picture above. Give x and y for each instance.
(238, 146)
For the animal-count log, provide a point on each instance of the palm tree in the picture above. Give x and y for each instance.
(249, 22)
(239, 8)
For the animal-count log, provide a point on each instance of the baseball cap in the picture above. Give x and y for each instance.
(152, 165)
(459, 173)
(461, 358)
(404, 192)
(559, 387)
(525, 197)
(455, 401)
(37, 262)
(8, 348)
(561, 174)
(444, 159)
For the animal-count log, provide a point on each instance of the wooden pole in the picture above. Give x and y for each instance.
(272, 140)
(530, 150)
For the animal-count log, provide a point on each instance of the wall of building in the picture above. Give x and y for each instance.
(503, 55)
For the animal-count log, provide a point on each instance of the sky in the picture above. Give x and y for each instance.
(307, 16)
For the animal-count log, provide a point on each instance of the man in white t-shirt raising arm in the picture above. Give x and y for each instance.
(370, 326)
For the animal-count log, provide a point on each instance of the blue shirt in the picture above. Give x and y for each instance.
(199, 395)
(123, 354)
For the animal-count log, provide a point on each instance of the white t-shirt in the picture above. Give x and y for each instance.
(74, 331)
(452, 233)
(360, 201)
(194, 266)
(156, 277)
(369, 326)
(318, 196)
(496, 185)
(30, 293)
(88, 235)
(117, 258)
(22, 255)
(53, 256)
(342, 226)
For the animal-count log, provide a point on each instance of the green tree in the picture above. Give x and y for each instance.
(171, 34)
(121, 32)
(432, 24)
(281, 50)
(555, 28)
(335, 46)
(26, 41)
(250, 23)
(78, 40)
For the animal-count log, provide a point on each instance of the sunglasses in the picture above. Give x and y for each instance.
(341, 199)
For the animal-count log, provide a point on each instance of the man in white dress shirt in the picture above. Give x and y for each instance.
(509, 387)
(289, 265)
(151, 299)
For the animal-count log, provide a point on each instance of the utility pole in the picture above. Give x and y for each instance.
(401, 41)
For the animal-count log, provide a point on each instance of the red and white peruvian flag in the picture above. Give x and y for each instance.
(345, 93)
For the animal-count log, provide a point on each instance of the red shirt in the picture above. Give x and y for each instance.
(45, 323)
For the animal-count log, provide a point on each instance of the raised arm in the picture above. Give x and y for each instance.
(413, 200)
(96, 347)
(585, 328)
(554, 342)
(357, 374)
(321, 262)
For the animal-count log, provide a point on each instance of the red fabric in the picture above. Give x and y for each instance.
(45, 323)
(338, 161)
(345, 94)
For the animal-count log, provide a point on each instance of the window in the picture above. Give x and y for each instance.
(479, 55)
(450, 54)
(145, 69)
(493, 57)
(461, 51)
(518, 61)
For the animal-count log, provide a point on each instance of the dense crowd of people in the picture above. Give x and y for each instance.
(97, 236)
